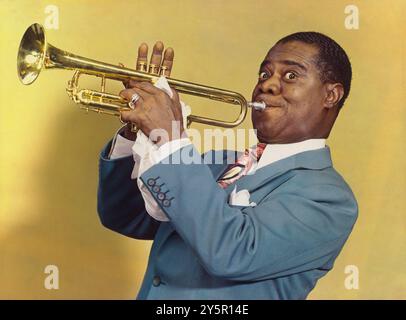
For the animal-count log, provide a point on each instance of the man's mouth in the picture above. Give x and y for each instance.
(270, 103)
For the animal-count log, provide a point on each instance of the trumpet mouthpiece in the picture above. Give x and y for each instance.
(259, 106)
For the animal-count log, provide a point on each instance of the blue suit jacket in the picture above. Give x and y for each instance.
(212, 250)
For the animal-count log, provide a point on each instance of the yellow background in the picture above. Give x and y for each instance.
(49, 149)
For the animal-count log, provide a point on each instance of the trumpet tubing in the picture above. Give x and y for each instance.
(36, 54)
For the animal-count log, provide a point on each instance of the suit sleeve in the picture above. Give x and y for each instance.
(119, 202)
(288, 232)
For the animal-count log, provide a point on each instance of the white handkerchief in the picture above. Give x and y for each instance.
(142, 149)
(240, 198)
(143, 145)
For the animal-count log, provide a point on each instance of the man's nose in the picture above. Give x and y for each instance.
(271, 85)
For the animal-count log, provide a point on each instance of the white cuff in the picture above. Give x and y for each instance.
(164, 151)
(121, 147)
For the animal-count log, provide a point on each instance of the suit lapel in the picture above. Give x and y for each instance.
(263, 175)
(314, 159)
(218, 161)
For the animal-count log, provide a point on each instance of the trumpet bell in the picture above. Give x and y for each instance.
(31, 54)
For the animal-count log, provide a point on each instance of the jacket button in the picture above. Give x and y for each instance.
(166, 203)
(161, 196)
(151, 182)
(156, 189)
(156, 281)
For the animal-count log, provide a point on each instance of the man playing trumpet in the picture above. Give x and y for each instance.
(300, 210)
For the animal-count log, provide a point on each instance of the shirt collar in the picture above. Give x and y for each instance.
(276, 152)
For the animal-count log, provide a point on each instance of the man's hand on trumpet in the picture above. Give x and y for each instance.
(154, 110)
(161, 63)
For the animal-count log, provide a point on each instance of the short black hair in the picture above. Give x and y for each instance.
(332, 61)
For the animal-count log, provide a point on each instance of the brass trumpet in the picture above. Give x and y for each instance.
(35, 54)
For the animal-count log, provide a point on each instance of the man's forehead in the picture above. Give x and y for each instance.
(300, 52)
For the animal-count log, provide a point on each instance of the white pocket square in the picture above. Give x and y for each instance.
(240, 198)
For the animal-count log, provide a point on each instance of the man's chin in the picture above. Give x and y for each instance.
(262, 139)
(266, 120)
(264, 135)
(270, 130)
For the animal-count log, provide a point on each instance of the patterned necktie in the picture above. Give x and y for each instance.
(242, 166)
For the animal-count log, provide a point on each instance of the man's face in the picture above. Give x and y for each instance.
(290, 85)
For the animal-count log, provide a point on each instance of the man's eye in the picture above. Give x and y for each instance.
(263, 75)
(290, 75)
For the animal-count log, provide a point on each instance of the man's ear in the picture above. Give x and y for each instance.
(334, 93)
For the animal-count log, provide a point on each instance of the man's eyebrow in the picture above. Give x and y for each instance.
(294, 63)
(264, 63)
(287, 62)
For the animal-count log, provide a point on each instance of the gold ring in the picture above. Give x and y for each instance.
(153, 68)
(134, 98)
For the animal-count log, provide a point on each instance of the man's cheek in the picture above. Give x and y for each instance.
(296, 95)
